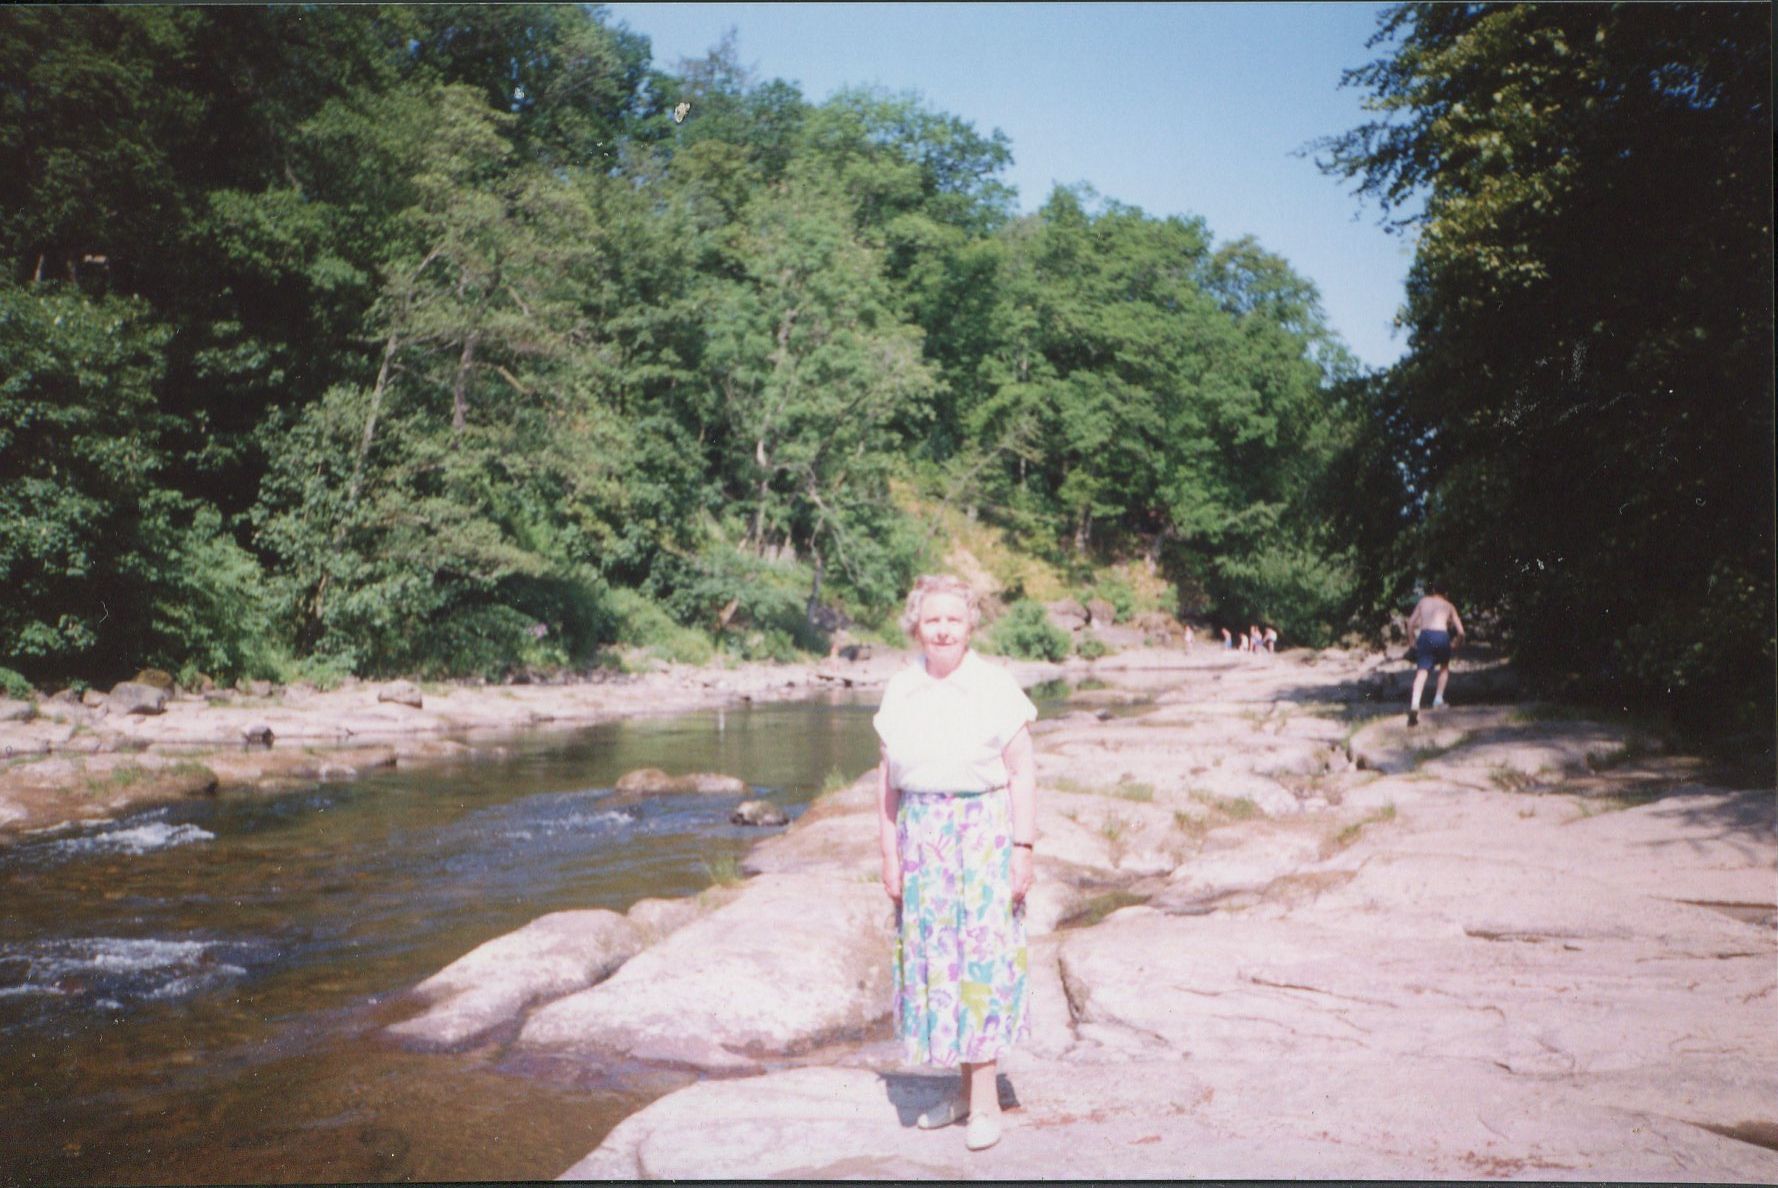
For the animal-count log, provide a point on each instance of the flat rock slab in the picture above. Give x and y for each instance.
(1242, 1119)
(795, 960)
(488, 987)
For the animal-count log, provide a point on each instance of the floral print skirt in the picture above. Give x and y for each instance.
(960, 959)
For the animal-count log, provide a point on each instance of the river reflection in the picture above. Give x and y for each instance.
(196, 993)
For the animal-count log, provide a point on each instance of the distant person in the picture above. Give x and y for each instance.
(1189, 636)
(1228, 641)
(1256, 639)
(1271, 640)
(1437, 632)
(957, 821)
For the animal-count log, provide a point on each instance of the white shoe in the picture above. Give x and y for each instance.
(984, 1132)
(1438, 703)
(941, 1116)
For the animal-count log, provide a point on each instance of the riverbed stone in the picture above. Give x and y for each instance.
(653, 781)
(133, 697)
(757, 813)
(490, 985)
(402, 693)
(845, 844)
(795, 960)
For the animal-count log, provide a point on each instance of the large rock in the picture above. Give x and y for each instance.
(401, 693)
(652, 780)
(489, 986)
(1067, 614)
(793, 961)
(845, 844)
(757, 812)
(155, 678)
(131, 697)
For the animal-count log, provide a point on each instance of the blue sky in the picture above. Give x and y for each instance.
(1190, 109)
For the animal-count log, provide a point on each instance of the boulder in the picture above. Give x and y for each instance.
(758, 812)
(844, 843)
(1100, 613)
(92, 698)
(1048, 903)
(793, 961)
(648, 781)
(131, 697)
(154, 678)
(16, 711)
(258, 734)
(401, 693)
(489, 986)
(1067, 614)
(656, 918)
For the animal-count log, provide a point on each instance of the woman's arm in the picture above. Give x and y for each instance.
(888, 802)
(1021, 784)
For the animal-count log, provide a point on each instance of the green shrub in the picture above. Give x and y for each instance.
(15, 686)
(1117, 592)
(643, 623)
(1025, 631)
(1090, 647)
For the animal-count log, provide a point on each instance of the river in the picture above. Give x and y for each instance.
(195, 993)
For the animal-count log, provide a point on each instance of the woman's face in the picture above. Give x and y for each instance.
(943, 628)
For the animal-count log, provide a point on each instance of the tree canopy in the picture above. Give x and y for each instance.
(1587, 399)
(430, 340)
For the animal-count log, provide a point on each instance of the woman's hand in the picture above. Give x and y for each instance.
(892, 874)
(1023, 872)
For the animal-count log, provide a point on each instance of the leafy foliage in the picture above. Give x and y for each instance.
(426, 340)
(1025, 631)
(1587, 405)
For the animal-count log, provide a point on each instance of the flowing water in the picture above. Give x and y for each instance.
(196, 993)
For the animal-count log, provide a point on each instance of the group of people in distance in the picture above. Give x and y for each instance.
(957, 825)
(1251, 640)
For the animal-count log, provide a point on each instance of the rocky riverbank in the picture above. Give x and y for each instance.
(1276, 934)
(80, 759)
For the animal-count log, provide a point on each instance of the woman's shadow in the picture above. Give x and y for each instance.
(912, 1094)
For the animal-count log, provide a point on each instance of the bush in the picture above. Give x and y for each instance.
(212, 611)
(1025, 631)
(643, 623)
(769, 600)
(15, 686)
(1090, 647)
(1117, 592)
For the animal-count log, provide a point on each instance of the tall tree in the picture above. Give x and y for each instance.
(1590, 315)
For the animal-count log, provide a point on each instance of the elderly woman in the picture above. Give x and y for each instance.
(957, 819)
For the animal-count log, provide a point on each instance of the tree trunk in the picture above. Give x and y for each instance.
(815, 587)
(460, 386)
(370, 420)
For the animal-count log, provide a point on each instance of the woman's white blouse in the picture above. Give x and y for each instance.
(947, 735)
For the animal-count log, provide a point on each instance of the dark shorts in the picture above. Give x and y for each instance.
(1432, 648)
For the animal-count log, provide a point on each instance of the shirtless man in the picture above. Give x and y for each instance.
(1437, 632)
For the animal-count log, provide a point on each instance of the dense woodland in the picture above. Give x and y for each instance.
(428, 340)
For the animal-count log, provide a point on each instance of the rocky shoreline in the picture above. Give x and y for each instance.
(69, 760)
(1276, 934)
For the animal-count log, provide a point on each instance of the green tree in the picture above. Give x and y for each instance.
(812, 370)
(1590, 316)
